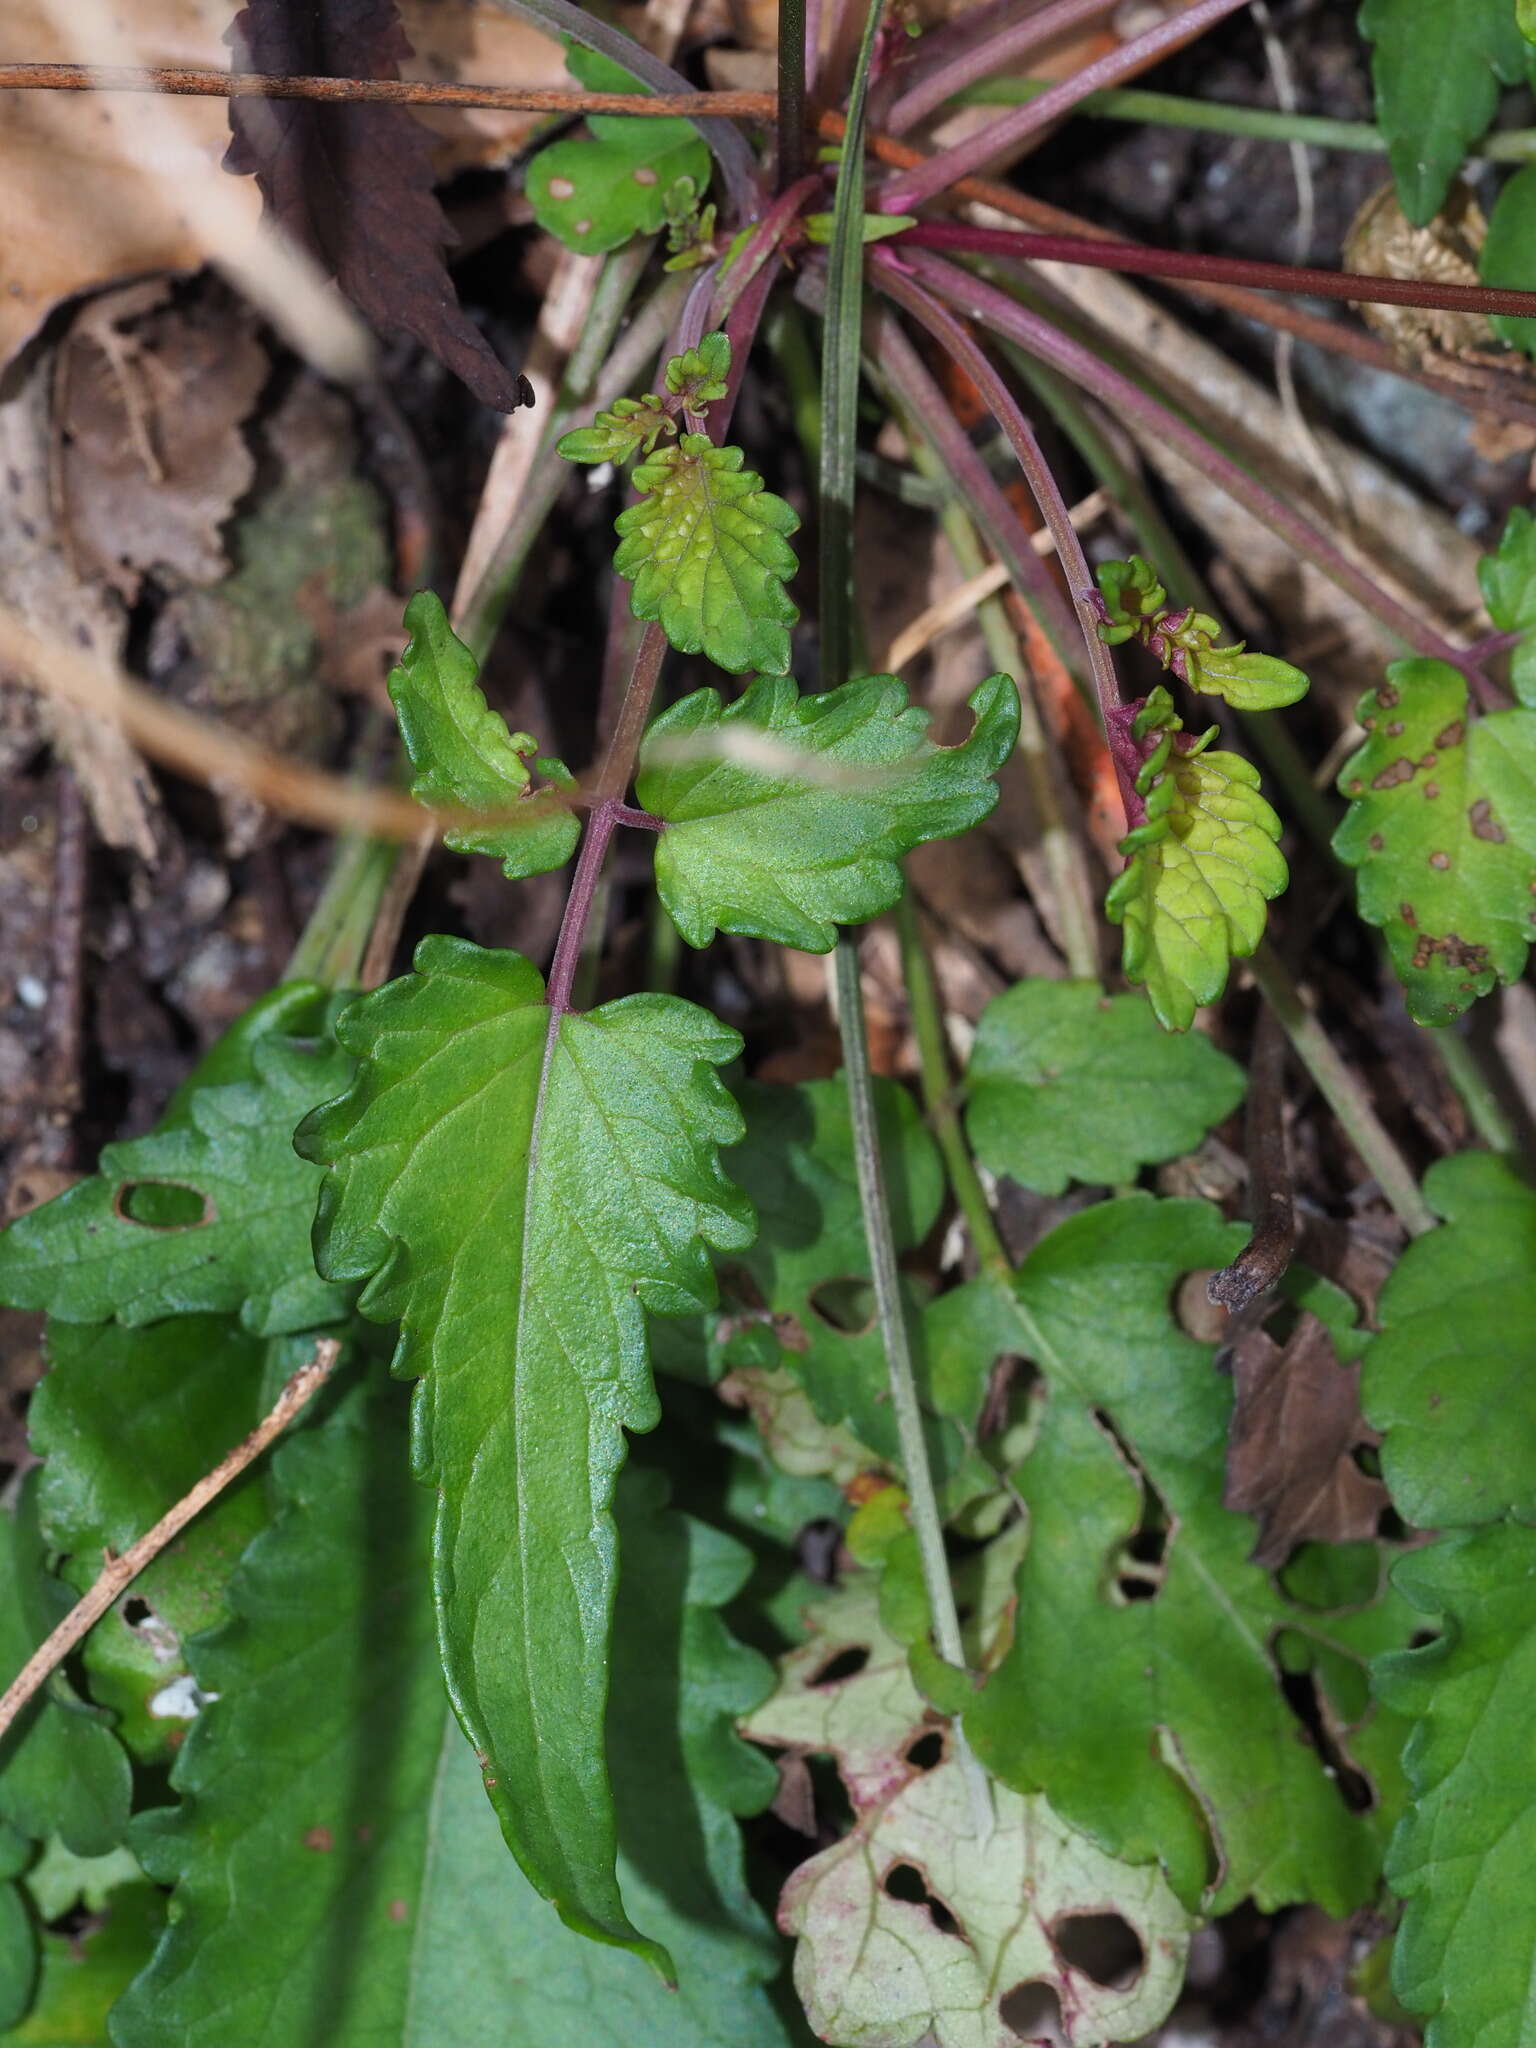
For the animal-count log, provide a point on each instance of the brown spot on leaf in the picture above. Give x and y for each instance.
(1408, 914)
(1386, 697)
(1431, 789)
(321, 1839)
(1428, 760)
(398, 1910)
(1453, 735)
(1400, 770)
(1484, 824)
(1377, 843)
(1440, 860)
(1454, 950)
(1395, 728)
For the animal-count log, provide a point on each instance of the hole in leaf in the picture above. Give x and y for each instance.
(1299, 1689)
(1102, 1946)
(846, 1305)
(163, 1205)
(905, 1881)
(927, 1751)
(846, 1664)
(1032, 2012)
(1422, 1638)
(1139, 1565)
(136, 1611)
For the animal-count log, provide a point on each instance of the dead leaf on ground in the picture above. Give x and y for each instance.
(1290, 1456)
(87, 199)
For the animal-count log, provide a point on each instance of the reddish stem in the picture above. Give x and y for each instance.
(982, 56)
(1133, 258)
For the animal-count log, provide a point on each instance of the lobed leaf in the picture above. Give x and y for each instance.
(1137, 1582)
(1448, 1378)
(339, 1877)
(708, 553)
(1198, 875)
(786, 816)
(209, 1213)
(516, 1187)
(1437, 72)
(631, 426)
(1463, 1853)
(1065, 1083)
(595, 191)
(1442, 828)
(701, 375)
(463, 756)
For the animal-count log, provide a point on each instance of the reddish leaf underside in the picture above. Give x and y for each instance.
(354, 184)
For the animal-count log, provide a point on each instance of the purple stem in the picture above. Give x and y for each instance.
(983, 57)
(912, 188)
(945, 328)
(961, 32)
(1159, 422)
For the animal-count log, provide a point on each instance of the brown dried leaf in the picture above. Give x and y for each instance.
(1295, 1426)
(354, 184)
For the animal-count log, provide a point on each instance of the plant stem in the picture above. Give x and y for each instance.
(1342, 1092)
(335, 940)
(791, 91)
(941, 78)
(939, 1096)
(907, 192)
(922, 1496)
(1464, 1070)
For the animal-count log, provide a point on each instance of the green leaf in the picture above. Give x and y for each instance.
(62, 1770)
(210, 1212)
(1248, 682)
(873, 227)
(708, 552)
(127, 1421)
(787, 816)
(1448, 1379)
(60, 1880)
(1068, 1084)
(701, 375)
(330, 1780)
(18, 1956)
(631, 426)
(1437, 71)
(1505, 259)
(1198, 876)
(874, 1964)
(587, 1148)
(1508, 582)
(463, 756)
(1464, 1851)
(1442, 827)
(1137, 1588)
(83, 1974)
(1525, 19)
(594, 192)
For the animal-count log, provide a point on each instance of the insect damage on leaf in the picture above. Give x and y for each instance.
(629, 175)
(1135, 606)
(1201, 864)
(354, 183)
(465, 758)
(518, 1189)
(786, 816)
(1442, 828)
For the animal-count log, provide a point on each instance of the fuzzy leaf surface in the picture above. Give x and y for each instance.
(1448, 1379)
(1066, 1083)
(331, 1779)
(594, 191)
(1192, 896)
(787, 816)
(1442, 829)
(516, 1210)
(223, 1155)
(127, 1421)
(463, 755)
(1437, 72)
(1463, 1853)
(707, 550)
(1141, 1751)
(1507, 579)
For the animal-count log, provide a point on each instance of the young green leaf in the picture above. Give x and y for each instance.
(1508, 582)
(1134, 605)
(1442, 827)
(708, 552)
(330, 1779)
(1437, 72)
(127, 1421)
(516, 1187)
(463, 756)
(62, 1770)
(1138, 1583)
(1464, 1850)
(1248, 682)
(786, 816)
(631, 426)
(701, 375)
(1199, 872)
(1448, 1379)
(593, 192)
(210, 1212)
(1067, 1084)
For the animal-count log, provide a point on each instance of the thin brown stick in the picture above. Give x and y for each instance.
(184, 81)
(119, 1573)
